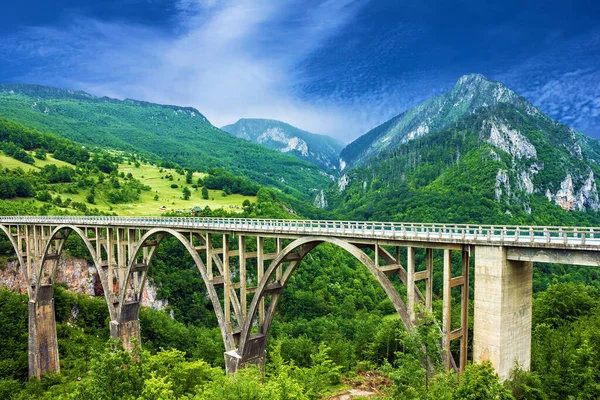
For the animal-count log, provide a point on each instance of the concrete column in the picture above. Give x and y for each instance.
(128, 327)
(43, 344)
(447, 309)
(503, 297)
(410, 282)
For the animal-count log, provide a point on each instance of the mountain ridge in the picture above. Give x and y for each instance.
(505, 160)
(321, 150)
(170, 133)
(469, 93)
(45, 92)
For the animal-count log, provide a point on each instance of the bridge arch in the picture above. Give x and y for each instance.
(68, 230)
(162, 233)
(305, 245)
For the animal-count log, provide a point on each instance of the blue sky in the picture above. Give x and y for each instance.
(337, 67)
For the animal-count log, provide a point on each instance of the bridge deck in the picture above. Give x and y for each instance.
(552, 237)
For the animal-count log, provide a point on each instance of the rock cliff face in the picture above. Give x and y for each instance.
(569, 198)
(320, 200)
(81, 278)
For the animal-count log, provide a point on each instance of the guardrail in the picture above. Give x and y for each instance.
(467, 233)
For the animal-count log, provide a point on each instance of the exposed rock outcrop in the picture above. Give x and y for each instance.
(586, 198)
(81, 278)
(320, 200)
(502, 184)
(509, 140)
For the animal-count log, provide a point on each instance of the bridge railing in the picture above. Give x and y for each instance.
(395, 230)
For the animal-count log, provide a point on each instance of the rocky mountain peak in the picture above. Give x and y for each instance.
(320, 150)
(486, 90)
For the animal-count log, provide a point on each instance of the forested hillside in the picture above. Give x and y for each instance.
(181, 135)
(499, 161)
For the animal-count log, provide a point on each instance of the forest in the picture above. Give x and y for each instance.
(334, 329)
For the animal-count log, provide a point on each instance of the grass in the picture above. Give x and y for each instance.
(9, 162)
(171, 198)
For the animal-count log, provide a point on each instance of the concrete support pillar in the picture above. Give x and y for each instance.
(43, 344)
(127, 329)
(410, 282)
(447, 309)
(254, 352)
(502, 326)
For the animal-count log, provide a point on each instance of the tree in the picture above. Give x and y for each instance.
(205, 193)
(186, 193)
(479, 382)
(40, 153)
(189, 176)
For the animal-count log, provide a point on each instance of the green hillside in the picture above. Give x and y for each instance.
(470, 93)
(505, 163)
(58, 175)
(169, 133)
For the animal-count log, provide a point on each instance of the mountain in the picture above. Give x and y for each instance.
(478, 153)
(170, 133)
(318, 149)
(470, 93)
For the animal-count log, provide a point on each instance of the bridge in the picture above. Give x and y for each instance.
(246, 264)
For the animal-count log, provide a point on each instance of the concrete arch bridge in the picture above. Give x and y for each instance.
(246, 264)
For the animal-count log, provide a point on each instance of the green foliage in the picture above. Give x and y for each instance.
(15, 187)
(525, 385)
(322, 374)
(114, 375)
(480, 382)
(174, 135)
(420, 359)
(189, 176)
(243, 385)
(40, 153)
(13, 338)
(221, 179)
(565, 302)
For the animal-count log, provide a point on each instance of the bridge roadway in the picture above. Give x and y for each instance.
(123, 248)
(551, 237)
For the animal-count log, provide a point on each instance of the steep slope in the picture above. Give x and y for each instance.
(318, 149)
(179, 134)
(470, 93)
(502, 161)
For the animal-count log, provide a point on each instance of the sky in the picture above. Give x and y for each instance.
(337, 67)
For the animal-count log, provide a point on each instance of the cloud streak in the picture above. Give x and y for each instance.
(229, 59)
(338, 67)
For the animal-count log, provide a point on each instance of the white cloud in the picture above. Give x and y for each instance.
(563, 82)
(230, 59)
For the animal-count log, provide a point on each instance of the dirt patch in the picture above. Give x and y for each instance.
(364, 385)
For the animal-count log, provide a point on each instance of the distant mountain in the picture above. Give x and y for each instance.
(478, 153)
(318, 149)
(171, 133)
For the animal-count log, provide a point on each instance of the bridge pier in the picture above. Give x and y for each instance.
(503, 299)
(127, 327)
(43, 343)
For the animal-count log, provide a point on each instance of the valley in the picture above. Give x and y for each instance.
(478, 154)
